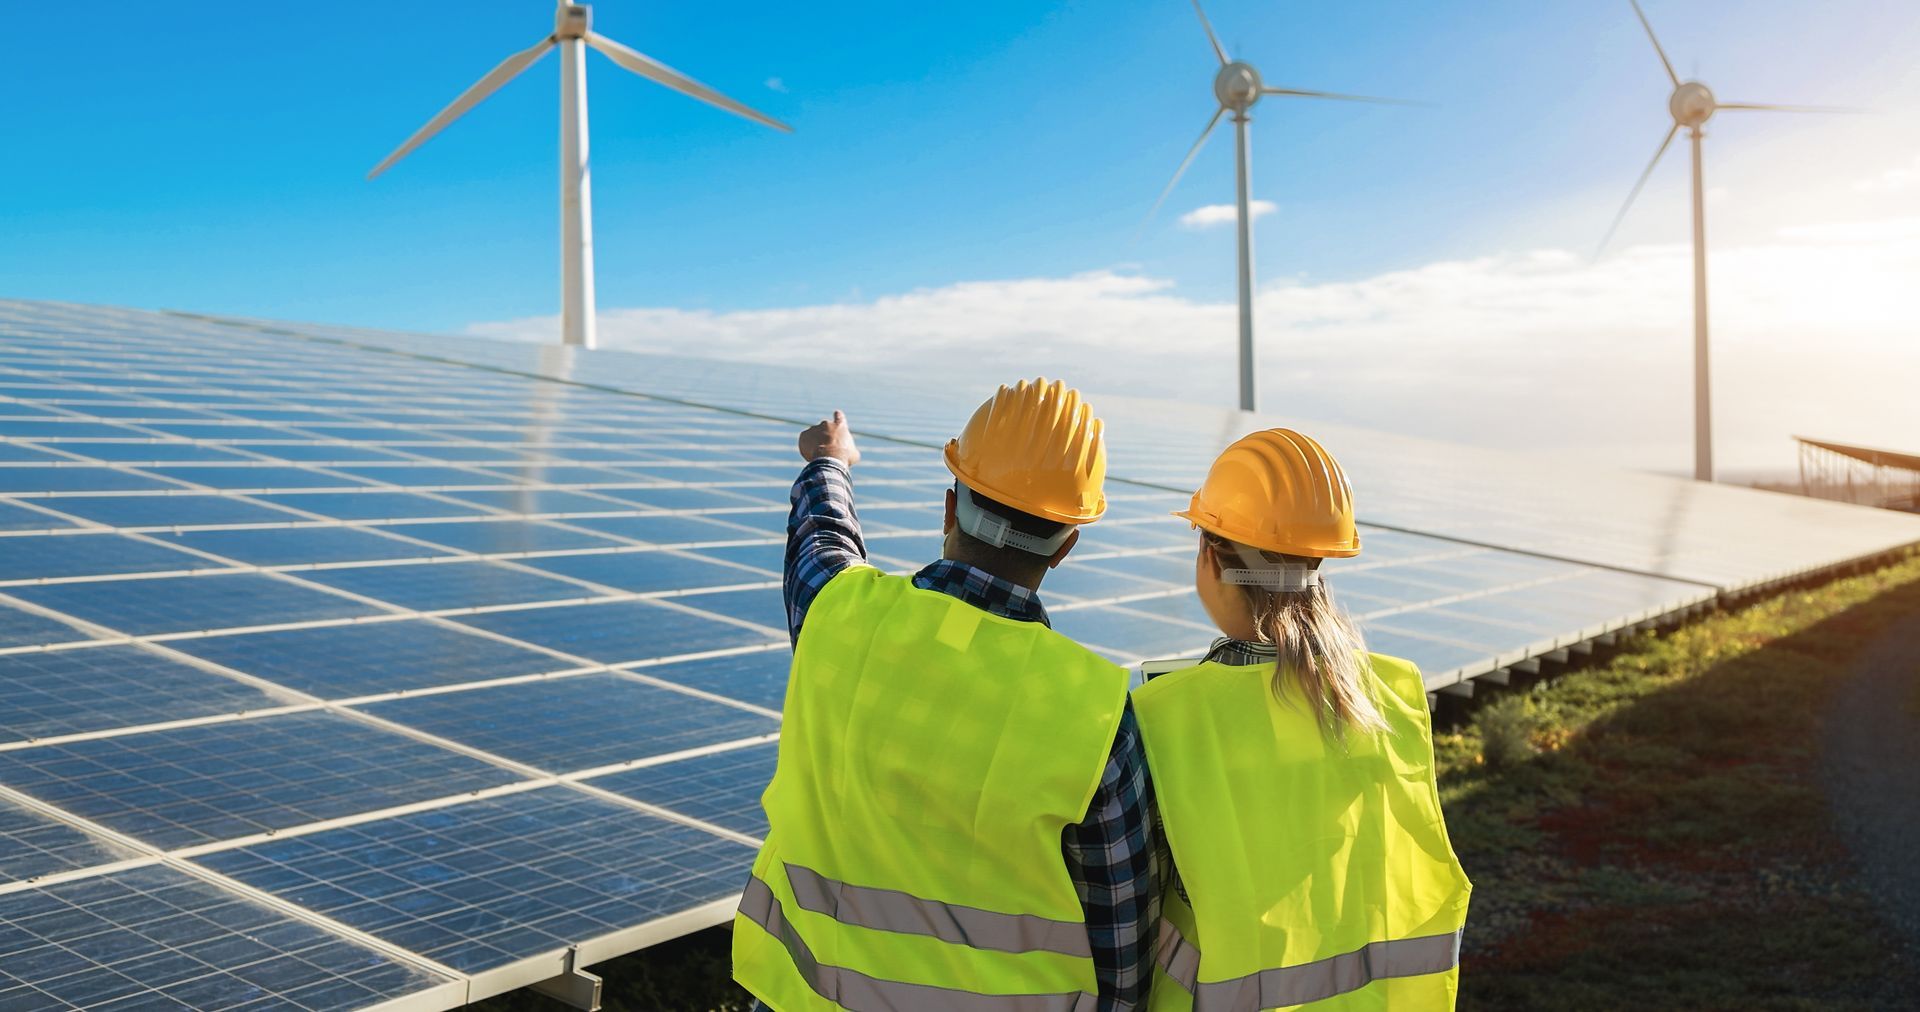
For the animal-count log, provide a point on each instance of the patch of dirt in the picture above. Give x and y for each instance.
(1871, 767)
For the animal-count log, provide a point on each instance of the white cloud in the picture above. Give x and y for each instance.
(775, 84)
(1224, 214)
(1892, 180)
(1813, 333)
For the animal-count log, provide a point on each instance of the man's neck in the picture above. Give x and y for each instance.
(1025, 576)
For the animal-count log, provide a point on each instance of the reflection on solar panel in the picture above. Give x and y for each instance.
(339, 669)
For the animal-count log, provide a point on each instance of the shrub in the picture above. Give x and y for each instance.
(1507, 726)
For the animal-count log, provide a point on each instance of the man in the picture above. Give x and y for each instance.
(960, 813)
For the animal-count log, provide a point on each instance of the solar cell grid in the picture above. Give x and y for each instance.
(192, 785)
(49, 693)
(33, 845)
(610, 718)
(723, 788)
(485, 883)
(156, 938)
(343, 662)
(621, 631)
(451, 585)
(189, 604)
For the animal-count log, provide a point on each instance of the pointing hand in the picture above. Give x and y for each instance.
(830, 437)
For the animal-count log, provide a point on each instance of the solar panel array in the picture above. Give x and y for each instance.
(342, 670)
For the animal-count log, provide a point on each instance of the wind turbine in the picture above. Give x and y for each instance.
(1691, 105)
(1237, 86)
(572, 31)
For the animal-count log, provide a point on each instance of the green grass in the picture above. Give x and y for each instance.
(1669, 845)
(1645, 833)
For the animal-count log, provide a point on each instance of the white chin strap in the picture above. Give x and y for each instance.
(996, 531)
(1255, 571)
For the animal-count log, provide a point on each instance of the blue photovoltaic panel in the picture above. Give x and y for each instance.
(60, 555)
(342, 662)
(681, 530)
(265, 477)
(37, 481)
(609, 719)
(20, 628)
(651, 571)
(373, 505)
(763, 605)
(619, 632)
(155, 938)
(70, 691)
(192, 603)
(758, 677)
(300, 545)
(501, 537)
(450, 585)
(20, 518)
(167, 510)
(723, 788)
(33, 845)
(190, 785)
(488, 882)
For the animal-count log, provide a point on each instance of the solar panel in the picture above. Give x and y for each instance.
(383, 668)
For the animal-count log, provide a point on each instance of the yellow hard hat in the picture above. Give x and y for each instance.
(1038, 448)
(1280, 491)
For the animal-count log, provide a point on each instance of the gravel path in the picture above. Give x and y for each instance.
(1871, 765)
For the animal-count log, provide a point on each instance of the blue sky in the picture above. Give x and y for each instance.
(194, 157)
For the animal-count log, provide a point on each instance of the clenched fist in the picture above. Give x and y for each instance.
(830, 437)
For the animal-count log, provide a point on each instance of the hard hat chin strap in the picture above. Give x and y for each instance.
(1256, 571)
(996, 531)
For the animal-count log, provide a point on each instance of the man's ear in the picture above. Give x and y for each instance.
(1065, 547)
(947, 523)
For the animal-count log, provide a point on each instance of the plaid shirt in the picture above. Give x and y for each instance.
(1109, 854)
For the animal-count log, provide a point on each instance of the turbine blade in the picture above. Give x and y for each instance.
(1303, 93)
(1218, 49)
(1664, 62)
(659, 73)
(1635, 192)
(508, 69)
(1769, 107)
(1182, 170)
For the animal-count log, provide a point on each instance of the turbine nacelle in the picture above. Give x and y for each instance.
(1692, 104)
(572, 21)
(1237, 86)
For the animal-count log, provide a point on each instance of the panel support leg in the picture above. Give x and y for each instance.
(574, 986)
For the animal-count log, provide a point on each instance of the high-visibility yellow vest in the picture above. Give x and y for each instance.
(931, 756)
(1316, 873)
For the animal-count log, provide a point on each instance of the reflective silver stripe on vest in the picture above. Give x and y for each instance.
(858, 992)
(893, 910)
(1296, 985)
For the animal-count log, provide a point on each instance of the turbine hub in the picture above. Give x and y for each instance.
(572, 20)
(1692, 104)
(1237, 86)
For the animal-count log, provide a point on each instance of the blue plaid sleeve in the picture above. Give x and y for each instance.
(1110, 855)
(823, 535)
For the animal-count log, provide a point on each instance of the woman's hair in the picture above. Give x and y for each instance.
(1318, 646)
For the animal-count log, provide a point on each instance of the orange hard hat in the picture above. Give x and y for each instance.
(1036, 447)
(1279, 491)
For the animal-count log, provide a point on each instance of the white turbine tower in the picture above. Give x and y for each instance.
(1691, 105)
(1237, 87)
(572, 31)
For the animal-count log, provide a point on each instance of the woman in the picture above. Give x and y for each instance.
(1294, 770)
